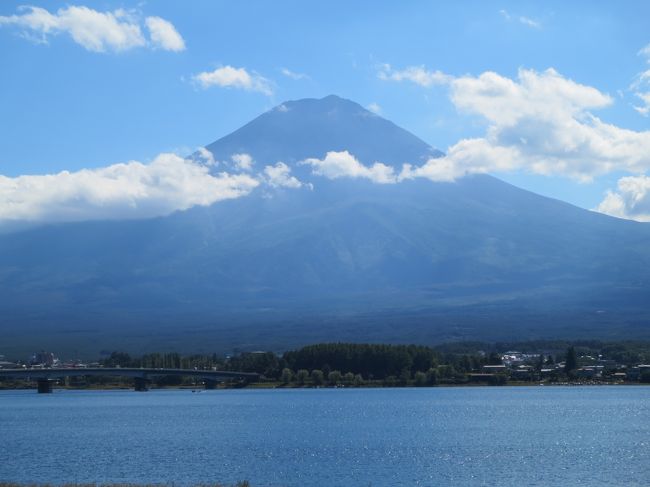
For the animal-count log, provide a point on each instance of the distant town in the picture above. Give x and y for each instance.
(354, 365)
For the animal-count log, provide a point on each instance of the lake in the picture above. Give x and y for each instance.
(530, 436)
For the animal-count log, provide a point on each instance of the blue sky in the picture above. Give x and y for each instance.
(69, 104)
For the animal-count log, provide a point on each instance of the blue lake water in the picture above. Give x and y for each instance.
(330, 437)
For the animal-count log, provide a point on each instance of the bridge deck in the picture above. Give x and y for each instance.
(56, 373)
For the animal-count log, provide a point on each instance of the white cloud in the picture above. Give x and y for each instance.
(631, 200)
(505, 14)
(541, 95)
(279, 176)
(542, 122)
(293, 75)
(229, 77)
(416, 74)
(458, 163)
(374, 108)
(120, 191)
(530, 22)
(164, 35)
(96, 31)
(344, 165)
(645, 51)
(645, 98)
(469, 156)
(641, 85)
(206, 157)
(243, 162)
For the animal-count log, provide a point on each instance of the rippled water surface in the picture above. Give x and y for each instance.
(330, 437)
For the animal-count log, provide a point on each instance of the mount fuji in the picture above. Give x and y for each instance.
(321, 255)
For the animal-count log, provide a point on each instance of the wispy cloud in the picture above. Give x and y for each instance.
(522, 19)
(645, 51)
(293, 75)
(415, 74)
(374, 108)
(641, 85)
(117, 31)
(644, 108)
(231, 77)
(530, 22)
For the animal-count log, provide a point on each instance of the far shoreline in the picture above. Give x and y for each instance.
(273, 387)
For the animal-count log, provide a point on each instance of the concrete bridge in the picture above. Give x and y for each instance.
(44, 378)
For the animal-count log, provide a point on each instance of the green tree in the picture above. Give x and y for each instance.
(494, 359)
(348, 379)
(326, 370)
(390, 381)
(301, 376)
(465, 364)
(432, 376)
(119, 359)
(420, 379)
(446, 372)
(404, 376)
(540, 362)
(334, 377)
(317, 377)
(570, 362)
(287, 376)
(358, 380)
(370, 360)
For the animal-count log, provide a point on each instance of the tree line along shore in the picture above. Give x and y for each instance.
(383, 365)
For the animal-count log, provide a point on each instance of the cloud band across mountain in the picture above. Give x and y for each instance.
(171, 183)
(121, 191)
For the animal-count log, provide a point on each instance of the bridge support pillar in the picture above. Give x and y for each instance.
(44, 386)
(141, 384)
